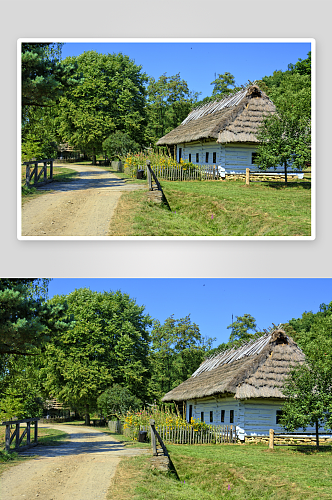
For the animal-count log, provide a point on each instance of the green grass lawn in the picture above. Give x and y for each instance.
(229, 471)
(227, 208)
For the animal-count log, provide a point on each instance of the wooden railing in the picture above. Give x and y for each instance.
(10, 436)
(33, 171)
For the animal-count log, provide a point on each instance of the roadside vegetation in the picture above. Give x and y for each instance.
(230, 471)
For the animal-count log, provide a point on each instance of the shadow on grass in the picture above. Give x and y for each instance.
(289, 185)
(312, 449)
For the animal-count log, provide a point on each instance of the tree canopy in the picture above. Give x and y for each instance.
(169, 101)
(27, 320)
(176, 351)
(110, 98)
(108, 344)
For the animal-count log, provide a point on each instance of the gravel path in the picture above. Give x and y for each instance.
(80, 469)
(83, 207)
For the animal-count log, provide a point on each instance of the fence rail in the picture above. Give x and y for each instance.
(172, 434)
(18, 436)
(34, 172)
(203, 173)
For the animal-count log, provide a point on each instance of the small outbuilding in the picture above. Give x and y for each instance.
(222, 133)
(241, 386)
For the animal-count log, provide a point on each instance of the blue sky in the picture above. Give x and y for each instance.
(198, 62)
(212, 301)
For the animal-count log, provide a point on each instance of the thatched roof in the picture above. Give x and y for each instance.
(255, 370)
(234, 119)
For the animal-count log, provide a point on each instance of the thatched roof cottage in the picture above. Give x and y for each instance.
(241, 386)
(223, 132)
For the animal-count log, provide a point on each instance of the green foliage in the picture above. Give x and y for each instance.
(309, 397)
(176, 351)
(309, 387)
(27, 321)
(117, 401)
(240, 328)
(110, 98)
(118, 145)
(108, 344)
(222, 84)
(169, 101)
(44, 76)
(286, 136)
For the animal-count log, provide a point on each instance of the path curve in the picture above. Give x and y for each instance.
(83, 207)
(80, 469)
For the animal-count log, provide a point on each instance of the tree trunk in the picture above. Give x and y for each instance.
(317, 437)
(94, 160)
(87, 415)
(285, 165)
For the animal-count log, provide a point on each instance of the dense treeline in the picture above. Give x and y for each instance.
(97, 351)
(103, 103)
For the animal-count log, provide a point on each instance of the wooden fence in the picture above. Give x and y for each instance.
(294, 439)
(183, 173)
(172, 434)
(33, 171)
(18, 436)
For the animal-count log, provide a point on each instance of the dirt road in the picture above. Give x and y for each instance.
(83, 207)
(80, 469)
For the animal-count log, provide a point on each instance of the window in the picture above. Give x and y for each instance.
(197, 157)
(231, 416)
(278, 416)
(206, 157)
(202, 416)
(190, 413)
(222, 416)
(180, 154)
(214, 158)
(211, 416)
(189, 156)
(253, 158)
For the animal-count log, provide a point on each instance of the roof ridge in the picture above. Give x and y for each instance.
(250, 348)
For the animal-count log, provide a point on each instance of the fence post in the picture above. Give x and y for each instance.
(271, 439)
(7, 437)
(153, 437)
(45, 171)
(27, 176)
(17, 435)
(36, 174)
(247, 176)
(36, 431)
(148, 163)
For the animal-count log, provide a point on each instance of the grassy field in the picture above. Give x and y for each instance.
(218, 209)
(210, 472)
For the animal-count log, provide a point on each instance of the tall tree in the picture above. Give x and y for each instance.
(241, 327)
(108, 344)
(111, 98)
(177, 349)
(285, 137)
(223, 85)
(27, 320)
(45, 78)
(169, 101)
(309, 387)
